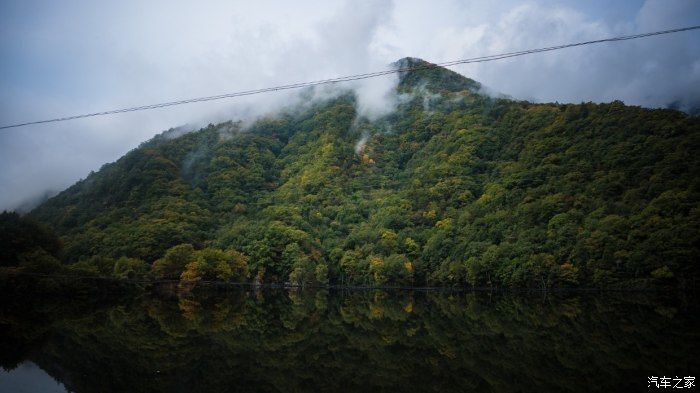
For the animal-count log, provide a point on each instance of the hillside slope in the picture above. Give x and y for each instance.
(453, 188)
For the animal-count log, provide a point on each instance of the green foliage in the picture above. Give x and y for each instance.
(173, 262)
(39, 261)
(321, 274)
(22, 238)
(219, 265)
(131, 268)
(472, 190)
(95, 265)
(394, 269)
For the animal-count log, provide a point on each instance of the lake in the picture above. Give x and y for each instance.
(352, 340)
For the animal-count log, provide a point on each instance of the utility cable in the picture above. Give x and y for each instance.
(353, 77)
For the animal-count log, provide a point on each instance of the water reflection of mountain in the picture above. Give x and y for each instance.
(357, 341)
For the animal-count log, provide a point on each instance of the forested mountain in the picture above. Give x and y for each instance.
(453, 188)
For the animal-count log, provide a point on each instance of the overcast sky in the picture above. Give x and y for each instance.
(70, 57)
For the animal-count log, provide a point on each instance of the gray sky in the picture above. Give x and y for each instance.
(72, 57)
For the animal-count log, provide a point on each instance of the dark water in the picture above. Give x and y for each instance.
(277, 340)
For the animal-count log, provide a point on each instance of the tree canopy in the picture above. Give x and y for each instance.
(453, 188)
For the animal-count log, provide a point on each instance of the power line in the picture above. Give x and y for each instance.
(354, 77)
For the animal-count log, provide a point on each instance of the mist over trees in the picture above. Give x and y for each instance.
(453, 188)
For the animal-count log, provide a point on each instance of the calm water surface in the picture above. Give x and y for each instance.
(278, 340)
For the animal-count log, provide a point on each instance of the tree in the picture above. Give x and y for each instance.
(20, 235)
(396, 269)
(173, 263)
(39, 261)
(130, 268)
(321, 274)
(354, 266)
(215, 264)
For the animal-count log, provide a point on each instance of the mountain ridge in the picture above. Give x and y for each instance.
(453, 188)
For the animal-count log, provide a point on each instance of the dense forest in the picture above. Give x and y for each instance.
(454, 188)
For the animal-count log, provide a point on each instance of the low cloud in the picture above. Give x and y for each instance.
(651, 72)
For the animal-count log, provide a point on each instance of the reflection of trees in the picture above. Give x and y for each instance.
(362, 340)
(179, 316)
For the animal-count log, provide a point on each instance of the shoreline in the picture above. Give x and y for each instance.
(288, 286)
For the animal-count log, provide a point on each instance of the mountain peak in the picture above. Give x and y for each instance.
(410, 62)
(416, 72)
